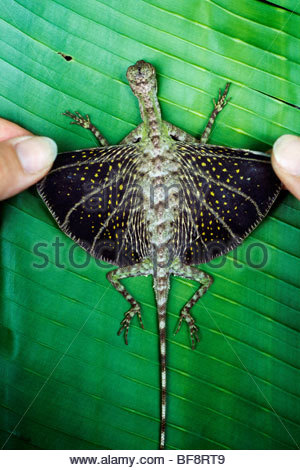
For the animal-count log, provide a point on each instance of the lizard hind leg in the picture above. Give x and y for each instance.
(205, 280)
(140, 269)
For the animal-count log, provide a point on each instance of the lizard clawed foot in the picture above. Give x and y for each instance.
(222, 101)
(79, 119)
(184, 315)
(125, 323)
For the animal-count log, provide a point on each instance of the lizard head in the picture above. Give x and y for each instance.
(142, 78)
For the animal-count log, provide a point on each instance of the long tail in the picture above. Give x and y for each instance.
(161, 289)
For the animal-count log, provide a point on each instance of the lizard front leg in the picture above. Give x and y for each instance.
(140, 269)
(178, 134)
(79, 120)
(189, 272)
(218, 106)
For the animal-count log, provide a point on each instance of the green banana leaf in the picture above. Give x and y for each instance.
(67, 380)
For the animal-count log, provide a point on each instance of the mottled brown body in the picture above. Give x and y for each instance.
(160, 209)
(160, 215)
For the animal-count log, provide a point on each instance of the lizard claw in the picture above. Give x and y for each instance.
(222, 101)
(194, 335)
(191, 325)
(125, 323)
(79, 119)
(179, 324)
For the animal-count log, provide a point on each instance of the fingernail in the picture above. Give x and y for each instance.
(287, 153)
(35, 153)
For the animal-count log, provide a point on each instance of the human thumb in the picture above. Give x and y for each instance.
(286, 162)
(23, 161)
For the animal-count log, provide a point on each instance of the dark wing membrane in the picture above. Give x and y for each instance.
(92, 195)
(225, 194)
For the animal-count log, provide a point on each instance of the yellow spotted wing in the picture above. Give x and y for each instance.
(95, 200)
(225, 194)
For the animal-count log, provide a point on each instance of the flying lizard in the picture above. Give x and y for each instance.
(158, 204)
